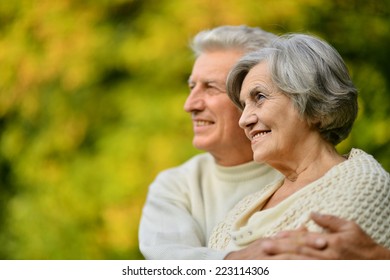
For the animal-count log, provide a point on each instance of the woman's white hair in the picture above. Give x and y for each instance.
(313, 74)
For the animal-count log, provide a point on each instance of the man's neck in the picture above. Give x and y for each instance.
(233, 158)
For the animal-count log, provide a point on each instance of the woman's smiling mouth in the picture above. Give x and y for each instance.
(259, 134)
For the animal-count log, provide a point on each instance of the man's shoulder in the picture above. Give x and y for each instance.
(194, 163)
(181, 178)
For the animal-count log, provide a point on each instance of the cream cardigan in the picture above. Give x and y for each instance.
(186, 202)
(357, 189)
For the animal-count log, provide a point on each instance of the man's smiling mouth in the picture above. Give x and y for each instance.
(202, 123)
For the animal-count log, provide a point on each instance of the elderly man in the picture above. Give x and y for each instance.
(185, 203)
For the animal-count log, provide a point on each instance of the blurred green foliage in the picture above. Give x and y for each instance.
(91, 97)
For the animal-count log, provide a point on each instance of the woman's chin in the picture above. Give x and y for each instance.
(259, 158)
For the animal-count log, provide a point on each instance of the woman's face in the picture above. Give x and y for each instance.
(270, 120)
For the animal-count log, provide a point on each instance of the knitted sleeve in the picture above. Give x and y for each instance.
(167, 228)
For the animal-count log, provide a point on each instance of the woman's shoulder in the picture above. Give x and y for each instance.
(364, 163)
(361, 173)
(359, 176)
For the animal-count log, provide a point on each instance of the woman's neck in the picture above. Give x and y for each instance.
(309, 161)
(305, 169)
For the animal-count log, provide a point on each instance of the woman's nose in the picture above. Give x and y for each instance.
(247, 119)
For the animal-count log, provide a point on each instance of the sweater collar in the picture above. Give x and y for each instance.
(242, 172)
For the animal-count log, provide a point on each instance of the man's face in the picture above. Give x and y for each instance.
(214, 116)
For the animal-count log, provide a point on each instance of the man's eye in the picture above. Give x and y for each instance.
(211, 86)
(214, 89)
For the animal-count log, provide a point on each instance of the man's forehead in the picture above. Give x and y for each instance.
(207, 76)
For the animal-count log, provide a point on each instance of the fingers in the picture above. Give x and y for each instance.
(329, 222)
(290, 257)
(291, 233)
(293, 243)
(281, 246)
(252, 252)
(316, 241)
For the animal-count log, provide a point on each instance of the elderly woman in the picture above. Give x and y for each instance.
(298, 102)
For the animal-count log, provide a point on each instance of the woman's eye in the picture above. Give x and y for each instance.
(259, 97)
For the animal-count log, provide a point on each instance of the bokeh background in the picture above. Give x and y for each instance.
(91, 98)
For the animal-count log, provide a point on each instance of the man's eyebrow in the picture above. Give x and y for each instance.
(207, 81)
(213, 82)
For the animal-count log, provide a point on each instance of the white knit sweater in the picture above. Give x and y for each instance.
(357, 189)
(186, 202)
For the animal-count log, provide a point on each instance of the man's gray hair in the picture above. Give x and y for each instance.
(313, 74)
(242, 38)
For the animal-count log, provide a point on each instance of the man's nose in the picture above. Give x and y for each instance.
(195, 101)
